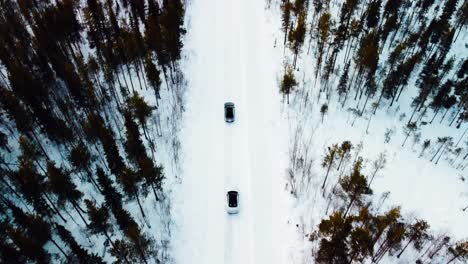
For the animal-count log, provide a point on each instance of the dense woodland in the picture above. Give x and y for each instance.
(371, 56)
(374, 54)
(78, 141)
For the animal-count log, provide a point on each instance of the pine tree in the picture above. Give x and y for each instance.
(98, 219)
(417, 234)
(333, 247)
(81, 255)
(286, 18)
(425, 145)
(428, 81)
(80, 158)
(459, 251)
(15, 111)
(96, 130)
(409, 129)
(323, 110)
(288, 83)
(297, 35)
(9, 253)
(27, 246)
(35, 228)
(355, 186)
(141, 110)
(99, 224)
(343, 151)
(394, 236)
(360, 244)
(31, 185)
(443, 98)
(461, 19)
(343, 84)
(329, 160)
(373, 14)
(367, 54)
(63, 187)
(123, 218)
(152, 73)
(172, 21)
(323, 32)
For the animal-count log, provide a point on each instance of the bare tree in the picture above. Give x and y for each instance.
(377, 165)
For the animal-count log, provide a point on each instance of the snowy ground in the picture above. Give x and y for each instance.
(230, 46)
(235, 53)
(424, 189)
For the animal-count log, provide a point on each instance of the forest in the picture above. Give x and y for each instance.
(81, 174)
(371, 63)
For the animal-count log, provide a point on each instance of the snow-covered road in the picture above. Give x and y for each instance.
(232, 58)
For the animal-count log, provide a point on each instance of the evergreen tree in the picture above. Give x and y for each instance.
(343, 151)
(63, 187)
(360, 244)
(333, 247)
(323, 110)
(355, 186)
(141, 110)
(343, 84)
(323, 32)
(459, 251)
(81, 255)
(288, 83)
(172, 21)
(443, 98)
(297, 36)
(329, 160)
(373, 14)
(152, 73)
(286, 18)
(417, 234)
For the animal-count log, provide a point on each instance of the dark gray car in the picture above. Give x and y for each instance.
(229, 112)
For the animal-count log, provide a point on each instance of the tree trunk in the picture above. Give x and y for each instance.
(125, 79)
(368, 123)
(139, 204)
(341, 160)
(113, 245)
(422, 152)
(404, 248)
(129, 76)
(140, 251)
(412, 115)
(59, 248)
(461, 137)
(54, 208)
(326, 176)
(446, 111)
(401, 90)
(79, 213)
(349, 206)
(137, 70)
(441, 153)
(437, 152)
(437, 111)
(452, 259)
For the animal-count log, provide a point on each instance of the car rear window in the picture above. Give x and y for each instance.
(229, 112)
(232, 199)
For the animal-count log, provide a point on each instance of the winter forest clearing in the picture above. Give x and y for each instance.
(349, 142)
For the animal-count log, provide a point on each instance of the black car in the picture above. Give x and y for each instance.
(229, 112)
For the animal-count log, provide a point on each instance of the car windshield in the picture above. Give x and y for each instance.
(232, 199)
(229, 112)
